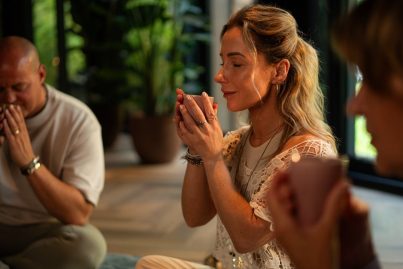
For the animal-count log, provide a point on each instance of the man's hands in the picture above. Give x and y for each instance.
(15, 131)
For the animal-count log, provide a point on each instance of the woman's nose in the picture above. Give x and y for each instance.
(219, 77)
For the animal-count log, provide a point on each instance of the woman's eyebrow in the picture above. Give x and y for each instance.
(235, 53)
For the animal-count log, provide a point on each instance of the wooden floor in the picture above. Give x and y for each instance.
(139, 212)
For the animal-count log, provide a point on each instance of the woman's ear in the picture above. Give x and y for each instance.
(281, 71)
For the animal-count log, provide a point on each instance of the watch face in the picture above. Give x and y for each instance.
(34, 168)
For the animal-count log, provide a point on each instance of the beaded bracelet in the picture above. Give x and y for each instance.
(193, 159)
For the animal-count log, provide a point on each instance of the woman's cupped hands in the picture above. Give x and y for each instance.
(199, 130)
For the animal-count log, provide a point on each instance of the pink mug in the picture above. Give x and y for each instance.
(311, 180)
(199, 102)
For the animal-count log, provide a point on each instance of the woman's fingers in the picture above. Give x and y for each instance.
(179, 95)
(179, 91)
(187, 119)
(209, 109)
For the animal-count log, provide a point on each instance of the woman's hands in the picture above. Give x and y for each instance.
(16, 133)
(202, 132)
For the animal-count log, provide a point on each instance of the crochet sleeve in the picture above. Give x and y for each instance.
(309, 148)
(231, 141)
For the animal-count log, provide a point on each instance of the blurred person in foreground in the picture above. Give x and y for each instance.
(51, 168)
(369, 37)
(269, 70)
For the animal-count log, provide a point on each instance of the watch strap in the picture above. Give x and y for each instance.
(30, 168)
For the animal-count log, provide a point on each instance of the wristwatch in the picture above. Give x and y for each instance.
(34, 165)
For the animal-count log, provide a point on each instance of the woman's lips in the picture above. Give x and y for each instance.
(227, 93)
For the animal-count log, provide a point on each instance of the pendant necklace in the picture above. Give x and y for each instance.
(243, 187)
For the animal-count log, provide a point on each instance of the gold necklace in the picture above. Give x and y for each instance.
(243, 187)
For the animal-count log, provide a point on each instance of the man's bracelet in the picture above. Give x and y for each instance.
(34, 165)
(193, 159)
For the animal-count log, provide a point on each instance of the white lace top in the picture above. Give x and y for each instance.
(255, 183)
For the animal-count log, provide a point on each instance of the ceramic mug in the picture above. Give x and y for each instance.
(311, 180)
(199, 102)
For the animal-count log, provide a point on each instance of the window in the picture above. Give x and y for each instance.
(362, 139)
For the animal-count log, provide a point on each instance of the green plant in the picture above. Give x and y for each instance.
(45, 36)
(102, 24)
(162, 33)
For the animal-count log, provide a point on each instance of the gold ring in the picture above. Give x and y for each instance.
(16, 132)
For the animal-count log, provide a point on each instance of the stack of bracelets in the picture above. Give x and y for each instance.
(193, 159)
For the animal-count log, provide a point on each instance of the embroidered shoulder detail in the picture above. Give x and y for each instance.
(231, 141)
(305, 149)
(308, 148)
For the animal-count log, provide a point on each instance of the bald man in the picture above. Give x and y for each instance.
(51, 168)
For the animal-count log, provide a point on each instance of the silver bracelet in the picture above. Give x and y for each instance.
(193, 159)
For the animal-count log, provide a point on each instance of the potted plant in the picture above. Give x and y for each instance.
(159, 41)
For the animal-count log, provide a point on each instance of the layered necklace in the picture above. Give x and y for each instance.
(238, 182)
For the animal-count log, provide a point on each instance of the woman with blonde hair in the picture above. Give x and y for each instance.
(269, 70)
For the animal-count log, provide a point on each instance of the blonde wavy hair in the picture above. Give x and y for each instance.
(272, 32)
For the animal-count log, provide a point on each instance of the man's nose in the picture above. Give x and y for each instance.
(9, 96)
(353, 107)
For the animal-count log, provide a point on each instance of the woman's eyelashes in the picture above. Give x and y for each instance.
(233, 64)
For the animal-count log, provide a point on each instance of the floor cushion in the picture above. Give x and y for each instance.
(119, 261)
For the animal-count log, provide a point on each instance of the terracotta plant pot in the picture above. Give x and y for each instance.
(154, 138)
